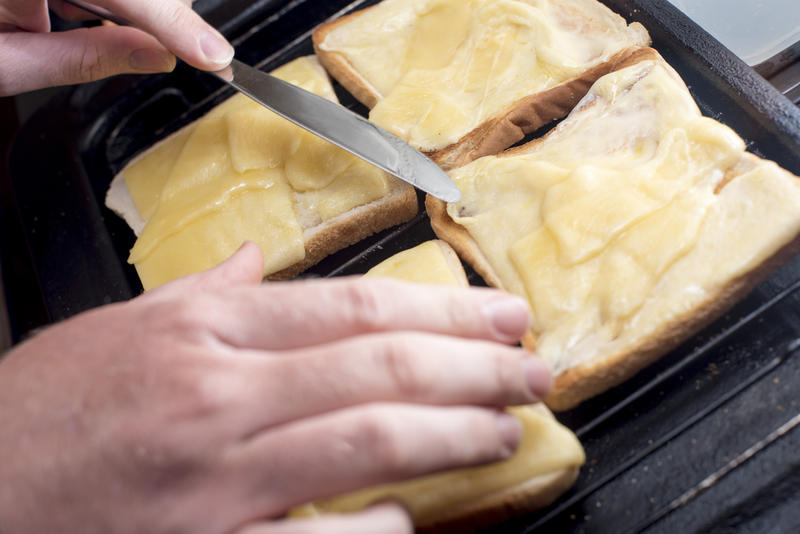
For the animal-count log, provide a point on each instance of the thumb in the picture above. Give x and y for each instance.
(245, 267)
(36, 60)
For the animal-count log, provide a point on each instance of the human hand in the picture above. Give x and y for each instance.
(214, 404)
(31, 57)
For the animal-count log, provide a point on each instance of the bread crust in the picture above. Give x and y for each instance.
(534, 494)
(496, 133)
(583, 381)
(399, 206)
(339, 67)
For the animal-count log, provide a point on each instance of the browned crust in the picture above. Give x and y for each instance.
(354, 226)
(533, 494)
(498, 133)
(584, 381)
(579, 383)
(530, 113)
(339, 67)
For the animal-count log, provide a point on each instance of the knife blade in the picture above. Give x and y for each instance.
(332, 122)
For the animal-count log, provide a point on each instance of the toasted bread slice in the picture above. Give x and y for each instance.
(242, 173)
(628, 227)
(545, 465)
(460, 79)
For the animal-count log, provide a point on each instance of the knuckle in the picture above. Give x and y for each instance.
(364, 304)
(409, 374)
(508, 374)
(175, 13)
(379, 434)
(183, 317)
(486, 444)
(87, 62)
(457, 313)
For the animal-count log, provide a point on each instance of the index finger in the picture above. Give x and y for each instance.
(287, 315)
(177, 27)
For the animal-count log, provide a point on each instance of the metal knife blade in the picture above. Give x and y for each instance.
(330, 121)
(343, 128)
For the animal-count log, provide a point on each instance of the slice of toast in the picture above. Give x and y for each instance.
(628, 227)
(242, 173)
(460, 79)
(545, 465)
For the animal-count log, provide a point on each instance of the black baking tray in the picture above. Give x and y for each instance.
(704, 440)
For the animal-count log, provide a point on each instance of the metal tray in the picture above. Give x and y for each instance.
(704, 440)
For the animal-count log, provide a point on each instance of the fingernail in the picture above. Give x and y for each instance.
(509, 317)
(151, 60)
(510, 431)
(216, 48)
(538, 376)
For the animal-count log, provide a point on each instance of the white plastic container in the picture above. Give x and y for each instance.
(755, 30)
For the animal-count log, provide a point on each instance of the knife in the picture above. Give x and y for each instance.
(329, 121)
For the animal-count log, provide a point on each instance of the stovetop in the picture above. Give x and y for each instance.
(707, 439)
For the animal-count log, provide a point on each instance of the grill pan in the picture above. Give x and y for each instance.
(707, 439)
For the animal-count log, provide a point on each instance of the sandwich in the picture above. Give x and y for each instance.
(628, 227)
(545, 465)
(243, 173)
(459, 79)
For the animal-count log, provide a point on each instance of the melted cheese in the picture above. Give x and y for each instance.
(546, 447)
(423, 264)
(242, 173)
(443, 67)
(624, 218)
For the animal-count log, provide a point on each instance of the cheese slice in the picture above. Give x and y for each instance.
(443, 67)
(432, 262)
(546, 447)
(628, 216)
(242, 173)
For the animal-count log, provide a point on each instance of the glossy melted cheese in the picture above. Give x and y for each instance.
(628, 216)
(443, 67)
(423, 264)
(242, 173)
(546, 446)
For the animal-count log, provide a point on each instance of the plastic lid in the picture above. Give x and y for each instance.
(755, 30)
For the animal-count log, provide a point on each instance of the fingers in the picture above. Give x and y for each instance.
(245, 267)
(383, 518)
(69, 12)
(397, 367)
(343, 451)
(35, 60)
(25, 15)
(179, 28)
(283, 316)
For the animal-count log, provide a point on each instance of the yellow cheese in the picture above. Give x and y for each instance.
(443, 67)
(145, 178)
(623, 219)
(546, 447)
(242, 173)
(423, 264)
(206, 241)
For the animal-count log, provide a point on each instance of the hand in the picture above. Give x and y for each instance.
(31, 57)
(214, 404)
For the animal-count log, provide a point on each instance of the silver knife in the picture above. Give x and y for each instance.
(329, 121)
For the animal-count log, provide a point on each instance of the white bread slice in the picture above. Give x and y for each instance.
(321, 236)
(712, 222)
(546, 464)
(417, 64)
